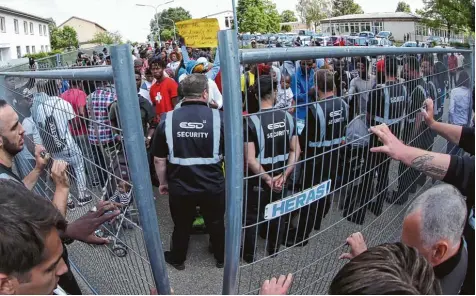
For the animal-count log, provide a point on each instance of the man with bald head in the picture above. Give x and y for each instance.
(433, 225)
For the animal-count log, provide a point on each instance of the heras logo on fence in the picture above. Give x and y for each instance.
(297, 201)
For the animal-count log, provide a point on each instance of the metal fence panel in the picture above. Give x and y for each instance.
(302, 228)
(98, 131)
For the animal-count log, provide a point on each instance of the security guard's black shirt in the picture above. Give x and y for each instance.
(193, 138)
(416, 98)
(397, 104)
(452, 272)
(275, 127)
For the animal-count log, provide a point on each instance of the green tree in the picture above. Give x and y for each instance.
(107, 38)
(257, 16)
(403, 7)
(62, 38)
(165, 18)
(455, 15)
(344, 7)
(314, 11)
(288, 16)
(286, 28)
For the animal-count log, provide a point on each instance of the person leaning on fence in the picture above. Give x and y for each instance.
(11, 134)
(53, 116)
(387, 269)
(192, 177)
(415, 131)
(324, 132)
(460, 111)
(359, 88)
(387, 105)
(271, 150)
(452, 169)
(100, 134)
(433, 224)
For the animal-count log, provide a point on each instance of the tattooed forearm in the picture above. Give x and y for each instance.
(424, 164)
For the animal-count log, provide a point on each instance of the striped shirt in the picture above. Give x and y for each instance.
(99, 128)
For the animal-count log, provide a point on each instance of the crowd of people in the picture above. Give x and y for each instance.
(304, 123)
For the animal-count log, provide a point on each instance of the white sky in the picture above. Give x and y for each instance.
(133, 21)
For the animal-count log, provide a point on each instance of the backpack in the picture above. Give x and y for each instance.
(50, 133)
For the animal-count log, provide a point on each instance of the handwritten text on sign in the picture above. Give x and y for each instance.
(297, 201)
(200, 32)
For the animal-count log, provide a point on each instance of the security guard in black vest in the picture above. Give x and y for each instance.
(322, 136)
(414, 131)
(435, 86)
(271, 150)
(188, 155)
(387, 104)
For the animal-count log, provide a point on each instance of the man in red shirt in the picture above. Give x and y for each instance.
(452, 65)
(164, 91)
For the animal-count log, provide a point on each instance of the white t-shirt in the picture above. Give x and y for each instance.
(31, 131)
(214, 94)
(61, 110)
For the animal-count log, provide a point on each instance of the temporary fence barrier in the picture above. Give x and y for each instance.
(337, 186)
(96, 128)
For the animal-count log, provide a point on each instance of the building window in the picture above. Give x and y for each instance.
(25, 26)
(40, 29)
(32, 29)
(347, 27)
(3, 28)
(47, 48)
(42, 48)
(17, 29)
(33, 49)
(45, 31)
(227, 22)
(27, 49)
(19, 52)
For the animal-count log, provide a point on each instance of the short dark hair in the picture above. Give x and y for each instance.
(386, 269)
(49, 87)
(193, 85)
(324, 80)
(463, 79)
(391, 66)
(148, 71)
(412, 62)
(137, 72)
(265, 86)
(156, 60)
(428, 58)
(3, 103)
(26, 221)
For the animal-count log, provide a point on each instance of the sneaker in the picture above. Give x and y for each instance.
(85, 199)
(169, 260)
(71, 206)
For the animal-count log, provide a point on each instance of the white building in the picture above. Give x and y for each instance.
(22, 33)
(399, 23)
(225, 18)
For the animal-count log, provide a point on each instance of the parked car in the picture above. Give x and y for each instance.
(383, 42)
(305, 40)
(323, 40)
(354, 34)
(356, 41)
(367, 35)
(385, 34)
(409, 44)
(436, 39)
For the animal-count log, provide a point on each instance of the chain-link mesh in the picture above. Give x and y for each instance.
(78, 121)
(302, 226)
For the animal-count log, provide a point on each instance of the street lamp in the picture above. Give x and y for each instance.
(166, 18)
(156, 12)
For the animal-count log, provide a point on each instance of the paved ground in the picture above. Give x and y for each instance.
(313, 265)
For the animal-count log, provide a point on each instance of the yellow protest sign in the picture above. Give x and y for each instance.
(200, 32)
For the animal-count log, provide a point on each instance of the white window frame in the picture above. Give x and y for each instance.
(19, 52)
(33, 49)
(16, 26)
(28, 49)
(40, 29)
(45, 32)
(25, 27)
(3, 25)
(32, 29)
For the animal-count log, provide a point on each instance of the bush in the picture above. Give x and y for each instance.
(41, 55)
(459, 44)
